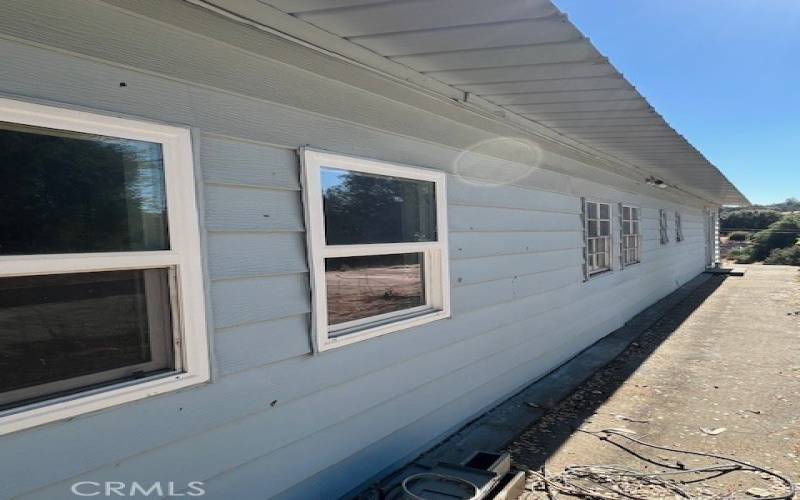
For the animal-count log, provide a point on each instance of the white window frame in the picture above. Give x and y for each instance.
(609, 243)
(663, 226)
(637, 235)
(678, 227)
(190, 340)
(436, 260)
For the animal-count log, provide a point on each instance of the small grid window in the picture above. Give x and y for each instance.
(631, 235)
(678, 227)
(597, 220)
(663, 228)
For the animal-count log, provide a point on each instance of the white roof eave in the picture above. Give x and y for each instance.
(521, 62)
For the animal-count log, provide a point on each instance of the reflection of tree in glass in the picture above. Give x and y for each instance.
(362, 208)
(144, 166)
(68, 192)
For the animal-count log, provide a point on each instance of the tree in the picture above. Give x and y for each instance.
(748, 219)
(784, 256)
(361, 208)
(780, 234)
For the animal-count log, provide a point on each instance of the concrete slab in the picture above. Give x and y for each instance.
(719, 374)
(729, 271)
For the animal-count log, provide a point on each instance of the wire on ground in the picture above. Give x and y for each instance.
(610, 477)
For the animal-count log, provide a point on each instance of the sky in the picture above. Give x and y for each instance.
(724, 73)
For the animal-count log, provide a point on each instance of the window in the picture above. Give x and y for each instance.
(101, 291)
(377, 236)
(631, 235)
(597, 230)
(662, 224)
(678, 227)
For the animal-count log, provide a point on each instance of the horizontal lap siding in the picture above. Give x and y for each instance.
(473, 245)
(252, 209)
(240, 255)
(256, 253)
(291, 422)
(514, 321)
(275, 415)
(380, 457)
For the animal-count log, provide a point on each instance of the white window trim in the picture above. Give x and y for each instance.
(638, 234)
(190, 337)
(590, 274)
(436, 272)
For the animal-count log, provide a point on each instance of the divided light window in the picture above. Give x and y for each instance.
(101, 296)
(597, 218)
(377, 236)
(631, 235)
(663, 227)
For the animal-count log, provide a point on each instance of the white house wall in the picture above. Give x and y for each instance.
(276, 420)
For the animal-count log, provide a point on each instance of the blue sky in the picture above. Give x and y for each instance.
(724, 73)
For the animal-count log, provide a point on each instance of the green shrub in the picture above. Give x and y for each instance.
(780, 234)
(748, 219)
(784, 256)
(739, 236)
(741, 255)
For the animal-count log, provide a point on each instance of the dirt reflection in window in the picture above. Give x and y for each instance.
(361, 287)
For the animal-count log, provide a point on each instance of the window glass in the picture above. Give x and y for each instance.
(591, 210)
(362, 208)
(598, 237)
(99, 304)
(378, 235)
(361, 287)
(63, 332)
(67, 192)
(630, 240)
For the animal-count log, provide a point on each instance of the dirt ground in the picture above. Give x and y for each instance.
(719, 374)
(370, 291)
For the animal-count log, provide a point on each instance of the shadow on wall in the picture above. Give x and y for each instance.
(535, 446)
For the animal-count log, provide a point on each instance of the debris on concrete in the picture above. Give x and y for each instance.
(717, 376)
(666, 480)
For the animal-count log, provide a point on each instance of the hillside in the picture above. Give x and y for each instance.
(788, 205)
